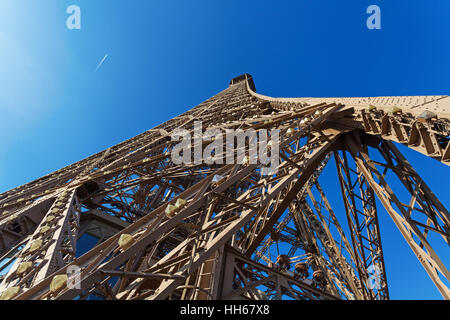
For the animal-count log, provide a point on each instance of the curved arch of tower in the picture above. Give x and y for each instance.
(130, 223)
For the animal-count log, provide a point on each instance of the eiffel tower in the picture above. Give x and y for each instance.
(129, 223)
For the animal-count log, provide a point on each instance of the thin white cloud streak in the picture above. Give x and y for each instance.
(101, 62)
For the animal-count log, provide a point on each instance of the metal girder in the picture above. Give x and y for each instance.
(243, 275)
(18, 224)
(282, 225)
(209, 249)
(423, 200)
(343, 273)
(52, 245)
(360, 207)
(409, 228)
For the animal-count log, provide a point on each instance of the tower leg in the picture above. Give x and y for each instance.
(409, 228)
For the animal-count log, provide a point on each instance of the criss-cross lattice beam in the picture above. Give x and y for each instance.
(408, 227)
(121, 195)
(360, 207)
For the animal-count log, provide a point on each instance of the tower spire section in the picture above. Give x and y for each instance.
(249, 219)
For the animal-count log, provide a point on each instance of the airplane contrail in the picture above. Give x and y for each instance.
(101, 62)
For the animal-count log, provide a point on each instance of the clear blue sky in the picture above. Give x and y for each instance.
(165, 57)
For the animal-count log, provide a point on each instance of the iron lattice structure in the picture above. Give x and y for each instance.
(231, 232)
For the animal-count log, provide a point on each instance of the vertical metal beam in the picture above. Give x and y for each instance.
(362, 217)
(422, 249)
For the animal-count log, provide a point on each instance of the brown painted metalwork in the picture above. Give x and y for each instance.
(235, 234)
